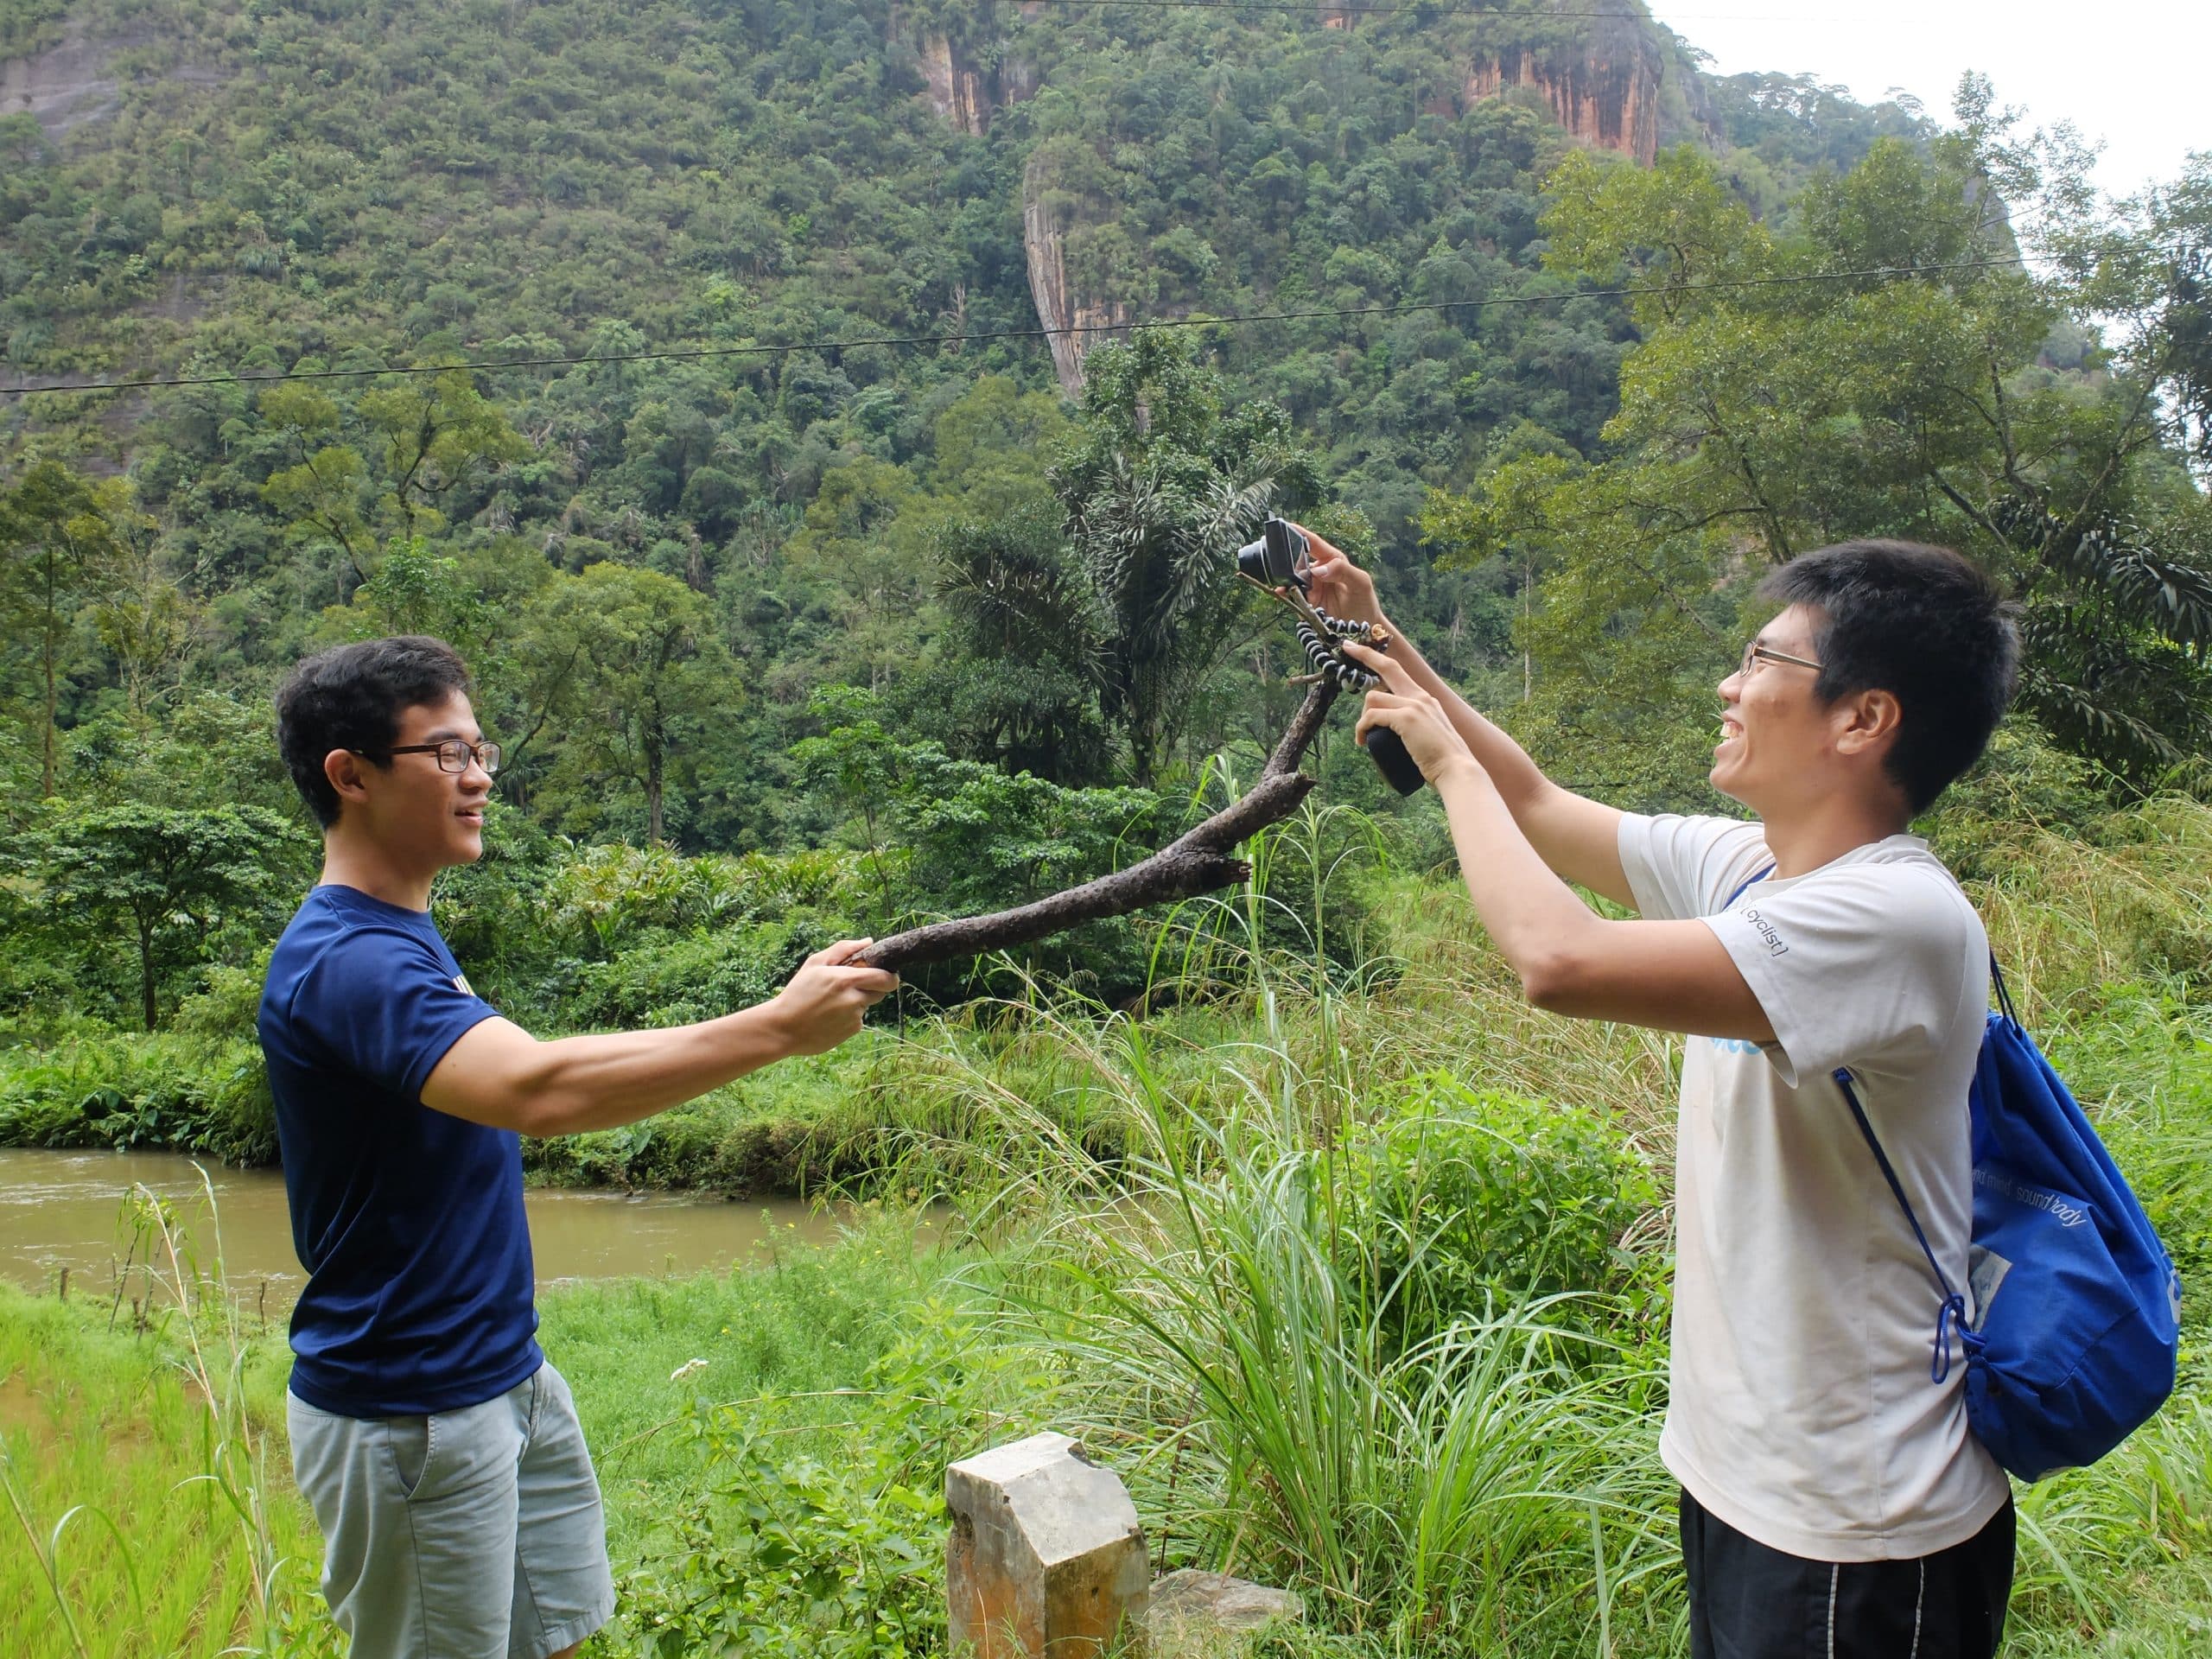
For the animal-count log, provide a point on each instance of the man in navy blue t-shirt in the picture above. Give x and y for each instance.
(439, 1450)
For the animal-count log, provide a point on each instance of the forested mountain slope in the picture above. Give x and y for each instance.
(262, 187)
(242, 187)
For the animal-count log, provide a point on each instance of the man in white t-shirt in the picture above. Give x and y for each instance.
(1833, 1501)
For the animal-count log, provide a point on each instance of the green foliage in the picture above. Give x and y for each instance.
(652, 566)
(1757, 423)
(940, 835)
(820, 1563)
(1022, 688)
(638, 664)
(190, 1094)
(783, 1553)
(1318, 1335)
(1232, 1314)
(56, 530)
(27, 25)
(605, 898)
(1158, 488)
(295, 191)
(770, 1439)
(1784, 128)
(1474, 1201)
(691, 976)
(143, 1472)
(160, 877)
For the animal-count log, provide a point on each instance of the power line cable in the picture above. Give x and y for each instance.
(1247, 319)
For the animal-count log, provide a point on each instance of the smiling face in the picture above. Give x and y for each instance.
(1776, 737)
(421, 815)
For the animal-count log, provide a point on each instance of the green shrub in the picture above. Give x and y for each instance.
(778, 1552)
(190, 1094)
(1470, 1200)
(677, 981)
(237, 1115)
(2142, 1065)
(227, 1005)
(717, 1144)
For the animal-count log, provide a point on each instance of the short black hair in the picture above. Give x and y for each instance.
(351, 697)
(1923, 624)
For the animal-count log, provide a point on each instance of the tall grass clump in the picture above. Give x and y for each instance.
(1385, 1346)
(1328, 966)
(2078, 906)
(2118, 1559)
(152, 1513)
(1342, 1319)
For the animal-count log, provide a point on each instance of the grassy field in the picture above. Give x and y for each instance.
(1358, 1277)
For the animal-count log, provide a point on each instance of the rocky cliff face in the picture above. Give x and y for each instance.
(1605, 89)
(958, 90)
(76, 83)
(1075, 323)
(1605, 93)
(965, 95)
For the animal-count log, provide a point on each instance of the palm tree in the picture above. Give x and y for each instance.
(1158, 490)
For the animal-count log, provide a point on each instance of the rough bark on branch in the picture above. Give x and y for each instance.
(1197, 862)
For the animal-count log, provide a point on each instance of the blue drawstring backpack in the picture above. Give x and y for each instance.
(2079, 1305)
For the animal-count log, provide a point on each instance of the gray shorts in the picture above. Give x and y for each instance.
(475, 1534)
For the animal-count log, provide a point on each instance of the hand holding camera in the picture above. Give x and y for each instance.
(1341, 588)
(1283, 562)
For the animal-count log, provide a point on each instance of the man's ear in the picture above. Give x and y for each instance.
(1868, 719)
(343, 769)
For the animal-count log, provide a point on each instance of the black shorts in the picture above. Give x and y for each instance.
(1750, 1602)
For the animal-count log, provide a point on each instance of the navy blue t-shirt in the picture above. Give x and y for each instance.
(409, 1222)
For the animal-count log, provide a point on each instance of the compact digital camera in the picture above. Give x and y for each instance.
(1282, 557)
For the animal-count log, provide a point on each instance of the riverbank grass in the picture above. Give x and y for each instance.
(122, 1536)
(783, 1498)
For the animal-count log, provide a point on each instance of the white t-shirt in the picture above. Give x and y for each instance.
(1800, 1409)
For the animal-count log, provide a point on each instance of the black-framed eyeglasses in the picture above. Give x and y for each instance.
(455, 753)
(1756, 653)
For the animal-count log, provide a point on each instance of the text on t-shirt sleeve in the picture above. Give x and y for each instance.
(381, 1003)
(1862, 967)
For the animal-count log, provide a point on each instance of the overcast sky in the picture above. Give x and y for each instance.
(2136, 74)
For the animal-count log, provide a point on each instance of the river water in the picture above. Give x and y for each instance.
(65, 1210)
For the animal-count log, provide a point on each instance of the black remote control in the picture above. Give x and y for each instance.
(1388, 750)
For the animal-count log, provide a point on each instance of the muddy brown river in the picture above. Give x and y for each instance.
(65, 1210)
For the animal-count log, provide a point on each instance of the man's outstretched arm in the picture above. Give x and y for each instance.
(1673, 976)
(499, 1074)
(1576, 837)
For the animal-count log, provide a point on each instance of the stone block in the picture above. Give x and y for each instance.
(1046, 1558)
(1210, 1615)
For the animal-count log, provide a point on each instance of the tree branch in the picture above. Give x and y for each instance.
(1198, 861)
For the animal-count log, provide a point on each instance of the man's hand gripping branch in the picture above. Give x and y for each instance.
(499, 1074)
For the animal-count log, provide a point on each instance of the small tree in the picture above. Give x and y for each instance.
(54, 536)
(1021, 687)
(643, 669)
(142, 615)
(430, 436)
(164, 877)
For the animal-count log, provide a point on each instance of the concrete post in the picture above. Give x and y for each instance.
(1046, 1558)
